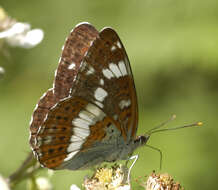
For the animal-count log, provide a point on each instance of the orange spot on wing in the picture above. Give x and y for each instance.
(47, 152)
(53, 163)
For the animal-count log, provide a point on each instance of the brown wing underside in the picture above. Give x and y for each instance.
(92, 53)
(53, 139)
(107, 49)
(75, 47)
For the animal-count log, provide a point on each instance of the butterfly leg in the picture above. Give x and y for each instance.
(160, 152)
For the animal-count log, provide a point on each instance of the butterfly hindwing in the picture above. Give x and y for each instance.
(73, 126)
(76, 45)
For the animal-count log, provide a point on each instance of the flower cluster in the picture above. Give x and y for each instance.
(161, 182)
(114, 178)
(18, 34)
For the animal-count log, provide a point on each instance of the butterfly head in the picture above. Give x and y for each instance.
(141, 140)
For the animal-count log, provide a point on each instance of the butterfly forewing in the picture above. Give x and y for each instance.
(105, 79)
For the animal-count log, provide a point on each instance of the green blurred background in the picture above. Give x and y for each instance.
(173, 49)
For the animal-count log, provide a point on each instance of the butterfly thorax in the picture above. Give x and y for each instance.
(124, 150)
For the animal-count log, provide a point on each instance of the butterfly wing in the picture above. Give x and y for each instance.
(75, 47)
(100, 113)
(105, 79)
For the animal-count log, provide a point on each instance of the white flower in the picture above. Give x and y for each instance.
(113, 178)
(21, 35)
(124, 187)
(43, 183)
(161, 182)
(3, 184)
(50, 173)
(74, 187)
(2, 71)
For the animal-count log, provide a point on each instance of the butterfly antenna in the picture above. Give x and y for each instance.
(197, 124)
(163, 124)
(161, 155)
(157, 128)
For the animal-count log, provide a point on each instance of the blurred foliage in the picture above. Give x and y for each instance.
(173, 49)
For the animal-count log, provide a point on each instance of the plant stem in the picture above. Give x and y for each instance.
(26, 170)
